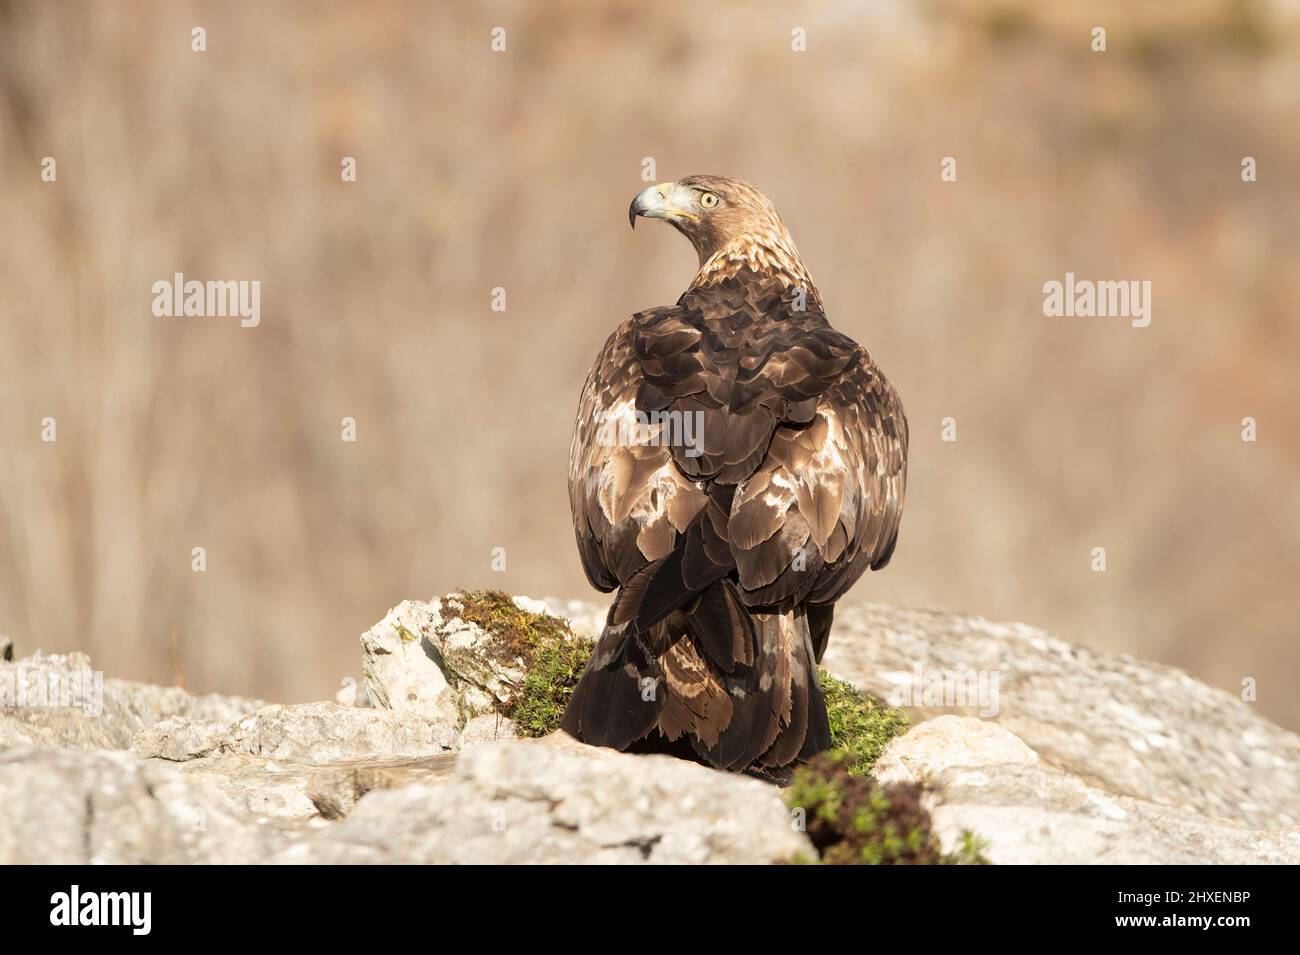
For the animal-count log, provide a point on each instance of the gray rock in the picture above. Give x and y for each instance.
(1086, 757)
(298, 793)
(256, 787)
(334, 790)
(78, 807)
(1028, 811)
(488, 728)
(556, 800)
(401, 667)
(305, 733)
(108, 712)
(299, 761)
(424, 658)
(586, 619)
(1126, 726)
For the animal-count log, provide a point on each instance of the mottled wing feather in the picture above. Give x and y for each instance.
(629, 502)
(826, 502)
(796, 485)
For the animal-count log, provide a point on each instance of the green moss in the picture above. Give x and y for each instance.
(518, 632)
(539, 706)
(851, 820)
(861, 725)
(553, 657)
(972, 849)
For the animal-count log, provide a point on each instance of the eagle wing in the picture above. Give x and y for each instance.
(796, 486)
(629, 502)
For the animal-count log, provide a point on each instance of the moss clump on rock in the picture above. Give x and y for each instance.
(861, 725)
(518, 633)
(549, 681)
(852, 820)
(553, 657)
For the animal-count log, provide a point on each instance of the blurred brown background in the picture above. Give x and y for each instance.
(478, 169)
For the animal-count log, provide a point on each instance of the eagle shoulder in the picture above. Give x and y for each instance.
(796, 475)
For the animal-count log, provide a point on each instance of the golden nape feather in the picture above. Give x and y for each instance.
(736, 466)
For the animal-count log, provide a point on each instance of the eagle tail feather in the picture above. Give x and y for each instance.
(608, 706)
(807, 731)
(741, 687)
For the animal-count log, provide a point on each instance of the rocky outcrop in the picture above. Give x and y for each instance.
(1027, 810)
(76, 806)
(1068, 755)
(304, 733)
(426, 658)
(1125, 726)
(60, 700)
(558, 801)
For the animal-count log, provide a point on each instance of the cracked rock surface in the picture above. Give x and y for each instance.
(1030, 811)
(1129, 727)
(1079, 756)
(559, 801)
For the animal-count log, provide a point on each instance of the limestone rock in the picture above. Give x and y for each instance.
(107, 713)
(1127, 726)
(425, 658)
(77, 807)
(1026, 811)
(257, 787)
(298, 794)
(300, 761)
(556, 800)
(349, 694)
(488, 728)
(334, 790)
(308, 733)
(1082, 757)
(586, 619)
(401, 666)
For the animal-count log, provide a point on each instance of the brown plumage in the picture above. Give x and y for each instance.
(737, 465)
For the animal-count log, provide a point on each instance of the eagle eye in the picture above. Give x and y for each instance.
(708, 200)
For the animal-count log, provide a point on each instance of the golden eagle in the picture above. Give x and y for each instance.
(736, 466)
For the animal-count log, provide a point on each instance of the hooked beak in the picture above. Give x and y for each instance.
(663, 201)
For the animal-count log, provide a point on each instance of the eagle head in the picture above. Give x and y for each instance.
(716, 213)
